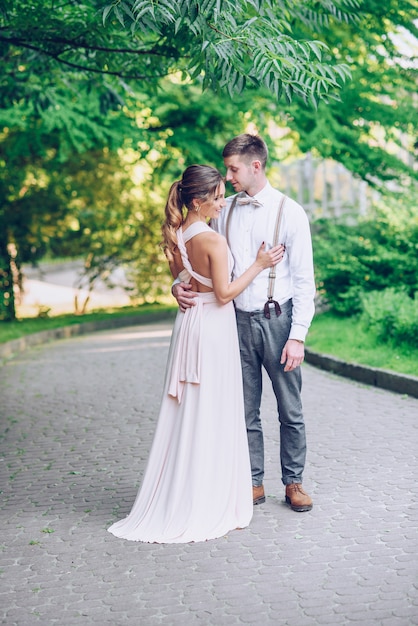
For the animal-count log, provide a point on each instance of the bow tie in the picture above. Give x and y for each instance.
(248, 200)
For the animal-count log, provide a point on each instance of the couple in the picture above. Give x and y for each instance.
(197, 484)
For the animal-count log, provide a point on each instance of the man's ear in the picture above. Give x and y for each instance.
(256, 165)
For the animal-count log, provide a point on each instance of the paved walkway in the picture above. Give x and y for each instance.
(77, 421)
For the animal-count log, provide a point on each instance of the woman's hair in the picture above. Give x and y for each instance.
(198, 182)
(248, 147)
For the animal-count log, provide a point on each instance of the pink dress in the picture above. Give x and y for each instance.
(197, 483)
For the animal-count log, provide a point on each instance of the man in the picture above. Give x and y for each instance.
(273, 313)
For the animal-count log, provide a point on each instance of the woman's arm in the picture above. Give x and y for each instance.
(224, 290)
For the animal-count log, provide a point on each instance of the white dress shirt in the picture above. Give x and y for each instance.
(249, 226)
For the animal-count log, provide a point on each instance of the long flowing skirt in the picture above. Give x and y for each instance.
(197, 483)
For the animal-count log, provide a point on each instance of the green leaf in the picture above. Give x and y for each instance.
(106, 12)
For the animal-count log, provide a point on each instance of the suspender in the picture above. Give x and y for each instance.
(272, 273)
(228, 218)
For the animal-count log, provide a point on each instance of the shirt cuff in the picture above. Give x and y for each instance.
(298, 332)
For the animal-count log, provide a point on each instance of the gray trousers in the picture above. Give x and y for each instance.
(261, 344)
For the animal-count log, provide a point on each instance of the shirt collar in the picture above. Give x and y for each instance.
(263, 195)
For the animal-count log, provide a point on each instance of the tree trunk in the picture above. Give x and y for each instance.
(7, 298)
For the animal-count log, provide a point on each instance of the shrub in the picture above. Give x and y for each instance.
(392, 314)
(379, 251)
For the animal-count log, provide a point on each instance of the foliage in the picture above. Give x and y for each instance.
(216, 38)
(51, 206)
(48, 115)
(378, 252)
(84, 80)
(372, 130)
(187, 126)
(71, 84)
(392, 314)
(144, 40)
(103, 222)
(108, 207)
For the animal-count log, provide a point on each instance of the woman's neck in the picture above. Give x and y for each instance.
(192, 219)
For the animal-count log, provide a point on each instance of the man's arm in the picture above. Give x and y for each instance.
(302, 273)
(183, 294)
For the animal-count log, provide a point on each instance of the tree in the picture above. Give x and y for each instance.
(213, 38)
(234, 45)
(372, 130)
(113, 203)
(35, 146)
(378, 252)
(48, 113)
(79, 79)
(67, 81)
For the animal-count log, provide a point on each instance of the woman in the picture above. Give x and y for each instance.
(197, 483)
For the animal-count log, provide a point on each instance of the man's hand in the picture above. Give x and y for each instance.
(184, 296)
(293, 354)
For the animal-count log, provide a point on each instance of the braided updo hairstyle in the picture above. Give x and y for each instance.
(199, 182)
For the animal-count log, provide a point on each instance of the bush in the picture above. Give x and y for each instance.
(379, 251)
(392, 314)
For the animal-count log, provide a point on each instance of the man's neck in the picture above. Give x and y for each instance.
(257, 187)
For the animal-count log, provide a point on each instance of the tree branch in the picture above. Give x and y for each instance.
(16, 41)
(83, 68)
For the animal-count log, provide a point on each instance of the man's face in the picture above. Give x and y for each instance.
(239, 173)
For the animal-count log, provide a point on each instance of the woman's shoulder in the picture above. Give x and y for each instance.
(211, 243)
(203, 231)
(212, 238)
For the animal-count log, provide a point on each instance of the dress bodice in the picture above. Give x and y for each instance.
(182, 238)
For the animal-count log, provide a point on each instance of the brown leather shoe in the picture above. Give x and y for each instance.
(258, 495)
(297, 498)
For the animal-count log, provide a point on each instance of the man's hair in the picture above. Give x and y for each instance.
(249, 147)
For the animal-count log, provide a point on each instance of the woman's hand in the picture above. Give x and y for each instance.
(269, 258)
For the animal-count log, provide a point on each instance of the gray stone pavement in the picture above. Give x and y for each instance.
(77, 419)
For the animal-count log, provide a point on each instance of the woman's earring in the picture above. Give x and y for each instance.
(197, 208)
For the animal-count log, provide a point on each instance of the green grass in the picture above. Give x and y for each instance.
(27, 326)
(344, 338)
(348, 339)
